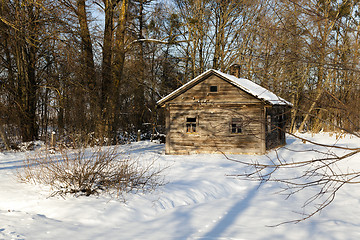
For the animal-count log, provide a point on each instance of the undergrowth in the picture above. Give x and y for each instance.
(88, 172)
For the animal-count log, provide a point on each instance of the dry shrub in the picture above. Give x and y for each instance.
(82, 172)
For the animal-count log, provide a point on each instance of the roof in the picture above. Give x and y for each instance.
(242, 83)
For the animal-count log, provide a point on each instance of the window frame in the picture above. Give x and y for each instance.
(213, 86)
(237, 126)
(192, 125)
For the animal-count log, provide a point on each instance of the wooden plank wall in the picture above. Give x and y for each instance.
(214, 129)
(214, 112)
(227, 93)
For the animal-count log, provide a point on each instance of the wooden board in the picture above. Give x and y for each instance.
(214, 129)
(226, 93)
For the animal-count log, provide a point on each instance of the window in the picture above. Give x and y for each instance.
(213, 89)
(191, 124)
(236, 125)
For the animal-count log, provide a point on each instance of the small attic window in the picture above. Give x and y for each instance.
(213, 89)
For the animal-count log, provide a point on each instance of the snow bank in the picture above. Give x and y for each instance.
(200, 201)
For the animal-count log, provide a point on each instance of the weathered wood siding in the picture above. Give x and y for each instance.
(227, 93)
(213, 133)
(214, 113)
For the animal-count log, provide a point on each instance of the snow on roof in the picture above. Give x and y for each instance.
(242, 83)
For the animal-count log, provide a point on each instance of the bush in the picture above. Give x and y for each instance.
(82, 172)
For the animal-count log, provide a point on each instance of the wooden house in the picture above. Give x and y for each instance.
(220, 113)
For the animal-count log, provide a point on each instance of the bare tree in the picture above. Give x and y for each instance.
(26, 27)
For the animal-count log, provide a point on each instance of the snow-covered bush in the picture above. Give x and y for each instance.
(87, 172)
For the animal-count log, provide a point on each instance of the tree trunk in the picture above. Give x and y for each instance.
(105, 101)
(86, 43)
(139, 98)
(119, 62)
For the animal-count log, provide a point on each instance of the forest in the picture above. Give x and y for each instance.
(93, 70)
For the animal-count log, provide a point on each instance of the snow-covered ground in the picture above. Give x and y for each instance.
(200, 201)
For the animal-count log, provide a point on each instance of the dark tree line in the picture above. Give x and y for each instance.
(97, 67)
